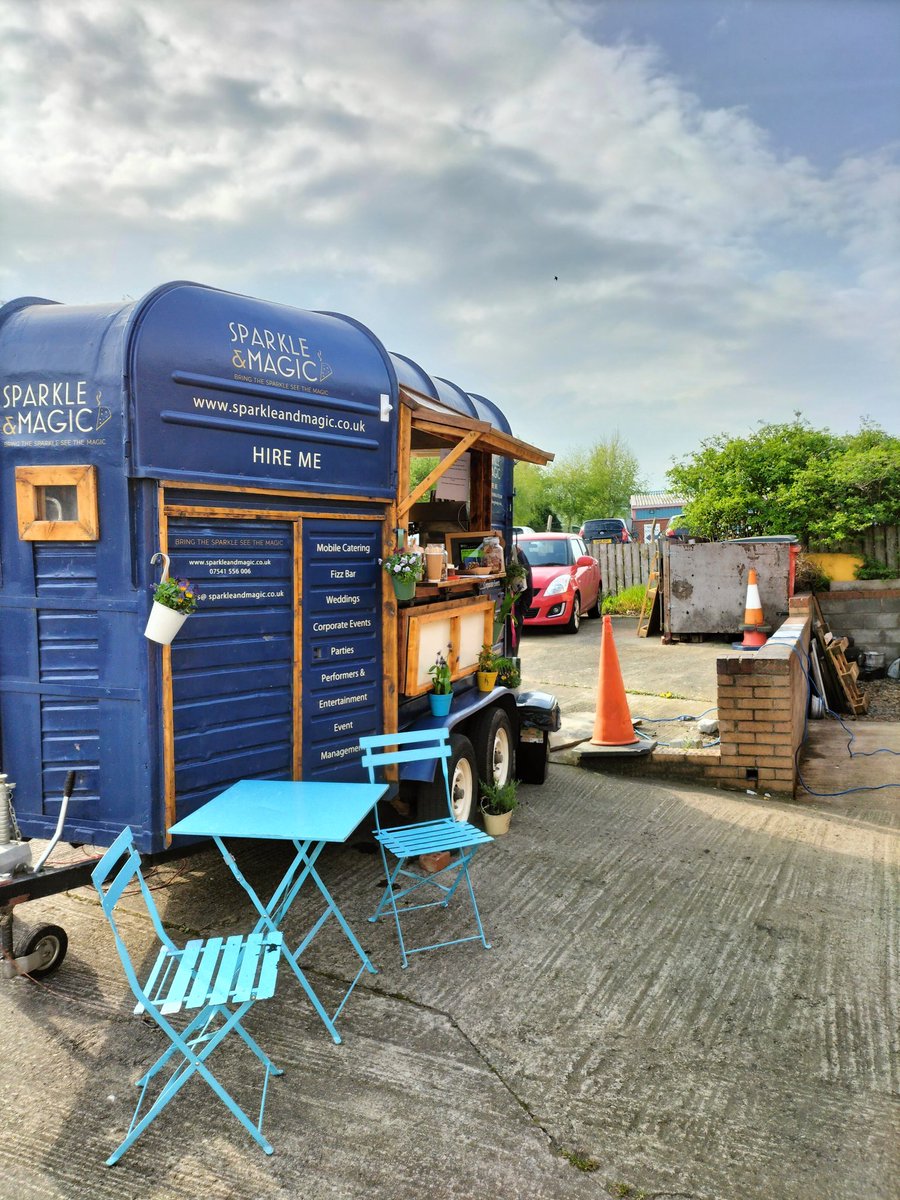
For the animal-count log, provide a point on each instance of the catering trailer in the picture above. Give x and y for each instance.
(265, 453)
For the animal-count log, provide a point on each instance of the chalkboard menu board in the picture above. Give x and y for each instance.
(342, 669)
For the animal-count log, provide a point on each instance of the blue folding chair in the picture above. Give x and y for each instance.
(210, 975)
(408, 842)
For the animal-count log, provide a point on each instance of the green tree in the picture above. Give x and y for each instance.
(792, 479)
(597, 482)
(530, 504)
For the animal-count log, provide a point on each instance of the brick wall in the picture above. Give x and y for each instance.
(762, 708)
(762, 700)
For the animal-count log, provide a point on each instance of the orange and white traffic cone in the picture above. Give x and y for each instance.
(755, 630)
(613, 729)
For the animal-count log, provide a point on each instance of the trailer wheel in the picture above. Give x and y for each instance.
(462, 772)
(51, 942)
(495, 751)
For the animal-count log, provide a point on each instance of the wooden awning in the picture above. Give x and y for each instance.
(433, 424)
(431, 417)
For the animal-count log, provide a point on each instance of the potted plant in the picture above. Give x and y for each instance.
(508, 672)
(487, 669)
(441, 694)
(515, 584)
(173, 602)
(498, 803)
(404, 568)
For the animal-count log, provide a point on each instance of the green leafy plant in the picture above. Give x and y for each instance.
(178, 594)
(487, 659)
(508, 673)
(873, 569)
(626, 603)
(404, 566)
(515, 585)
(499, 798)
(440, 676)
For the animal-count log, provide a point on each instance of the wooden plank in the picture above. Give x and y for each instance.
(892, 547)
(433, 476)
(390, 689)
(645, 562)
(297, 672)
(851, 671)
(168, 727)
(648, 608)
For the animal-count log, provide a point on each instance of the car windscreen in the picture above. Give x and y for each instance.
(547, 552)
(602, 528)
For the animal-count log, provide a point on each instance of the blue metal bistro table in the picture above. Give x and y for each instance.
(310, 815)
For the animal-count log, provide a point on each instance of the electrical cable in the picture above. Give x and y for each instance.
(810, 687)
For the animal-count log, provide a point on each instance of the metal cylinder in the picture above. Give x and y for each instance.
(6, 822)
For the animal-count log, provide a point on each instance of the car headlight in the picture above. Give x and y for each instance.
(561, 583)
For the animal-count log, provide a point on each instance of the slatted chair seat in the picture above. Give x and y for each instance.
(218, 978)
(408, 842)
(217, 971)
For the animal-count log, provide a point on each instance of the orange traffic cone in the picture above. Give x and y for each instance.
(754, 629)
(613, 730)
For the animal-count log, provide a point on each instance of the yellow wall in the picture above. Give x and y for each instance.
(841, 568)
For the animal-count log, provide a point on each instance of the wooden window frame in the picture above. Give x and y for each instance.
(33, 527)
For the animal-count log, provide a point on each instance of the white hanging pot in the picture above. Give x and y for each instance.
(163, 623)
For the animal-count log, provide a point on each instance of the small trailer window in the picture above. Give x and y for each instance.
(57, 504)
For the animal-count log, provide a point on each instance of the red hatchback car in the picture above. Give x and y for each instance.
(566, 580)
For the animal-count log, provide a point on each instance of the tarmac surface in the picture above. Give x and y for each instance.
(691, 993)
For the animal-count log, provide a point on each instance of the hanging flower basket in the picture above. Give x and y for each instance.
(404, 568)
(173, 602)
(163, 623)
(404, 589)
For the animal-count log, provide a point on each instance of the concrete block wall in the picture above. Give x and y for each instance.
(868, 611)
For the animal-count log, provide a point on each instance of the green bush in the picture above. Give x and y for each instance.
(873, 569)
(627, 603)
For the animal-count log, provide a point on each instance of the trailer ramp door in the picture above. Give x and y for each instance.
(232, 713)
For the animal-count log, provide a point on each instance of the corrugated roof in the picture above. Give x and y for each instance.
(656, 500)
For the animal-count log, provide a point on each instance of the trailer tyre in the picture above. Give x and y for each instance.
(495, 749)
(51, 942)
(462, 771)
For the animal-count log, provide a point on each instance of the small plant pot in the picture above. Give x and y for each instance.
(497, 826)
(404, 590)
(487, 681)
(163, 623)
(440, 703)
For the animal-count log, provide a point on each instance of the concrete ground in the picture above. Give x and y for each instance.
(661, 682)
(666, 682)
(691, 994)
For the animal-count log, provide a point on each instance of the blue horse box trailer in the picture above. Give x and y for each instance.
(266, 451)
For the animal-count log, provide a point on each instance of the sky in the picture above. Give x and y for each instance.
(667, 218)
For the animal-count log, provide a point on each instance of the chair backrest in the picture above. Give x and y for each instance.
(120, 867)
(385, 749)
